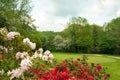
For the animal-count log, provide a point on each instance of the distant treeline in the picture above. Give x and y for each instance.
(80, 36)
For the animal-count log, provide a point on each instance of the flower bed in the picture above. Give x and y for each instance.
(24, 62)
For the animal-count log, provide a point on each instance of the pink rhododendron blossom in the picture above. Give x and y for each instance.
(26, 40)
(45, 58)
(15, 73)
(47, 52)
(36, 55)
(25, 64)
(24, 55)
(32, 45)
(51, 56)
(11, 35)
(29, 43)
(40, 50)
(18, 55)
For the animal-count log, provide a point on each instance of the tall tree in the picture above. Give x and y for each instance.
(113, 31)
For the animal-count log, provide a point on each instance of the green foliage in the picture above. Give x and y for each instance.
(83, 37)
(47, 40)
(113, 31)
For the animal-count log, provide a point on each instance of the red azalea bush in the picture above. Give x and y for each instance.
(73, 70)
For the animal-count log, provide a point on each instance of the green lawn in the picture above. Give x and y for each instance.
(111, 62)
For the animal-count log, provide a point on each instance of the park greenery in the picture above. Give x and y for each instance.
(18, 35)
(79, 35)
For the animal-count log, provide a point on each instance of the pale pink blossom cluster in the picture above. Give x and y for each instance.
(38, 53)
(22, 55)
(47, 56)
(29, 43)
(26, 62)
(11, 35)
(24, 65)
(15, 73)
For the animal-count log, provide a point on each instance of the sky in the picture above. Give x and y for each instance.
(53, 15)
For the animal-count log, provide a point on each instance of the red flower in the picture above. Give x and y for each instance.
(98, 67)
(63, 64)
(78, 59)
(92, 64)
(108, 75)
(90, 78)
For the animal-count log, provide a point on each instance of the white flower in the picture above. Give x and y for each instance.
(26, 40)
(15, 73)
(29, 43)
(18, 55)
(40, 50)
(18, 72)
(2, 71)
(51, 56)
(35, 55)
(11, 74)
(50, 61)
(24, 55)
(25, 64)
(40, 56)
(45, 58)
(47, 53)
(32, 45)
(11, 35)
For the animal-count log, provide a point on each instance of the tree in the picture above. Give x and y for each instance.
(80, 33)
(97, 34)
(14, 15)
(113, 31)
(60, 43)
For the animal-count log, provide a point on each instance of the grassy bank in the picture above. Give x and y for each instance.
(111, 62)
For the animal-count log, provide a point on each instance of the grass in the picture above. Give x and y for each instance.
(111, 62)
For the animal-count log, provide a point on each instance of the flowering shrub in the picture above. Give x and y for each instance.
(26, 62)
(73, 70)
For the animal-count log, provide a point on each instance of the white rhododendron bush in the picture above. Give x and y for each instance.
(19, 54)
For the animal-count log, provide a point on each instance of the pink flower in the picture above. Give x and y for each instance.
(47, 52)
(15, 73)
(25, 64)
(18, 55)
(40, 50)
(32, 45)
(45, 58)
(51, 56)
(26, 40)
(29, 43)
(11, 35)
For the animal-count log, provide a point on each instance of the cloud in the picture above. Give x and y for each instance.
(53, 15)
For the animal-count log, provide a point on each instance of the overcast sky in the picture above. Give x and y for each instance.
(53, 15)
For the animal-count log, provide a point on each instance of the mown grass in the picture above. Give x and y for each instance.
(111, 62)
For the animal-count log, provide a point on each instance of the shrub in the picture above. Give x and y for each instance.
(21, 60)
